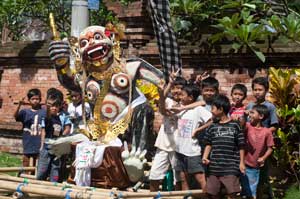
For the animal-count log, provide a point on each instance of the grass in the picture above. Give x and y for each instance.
(292, 193)
(8, 160)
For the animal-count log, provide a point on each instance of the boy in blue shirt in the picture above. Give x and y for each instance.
(56, 124)
(31, 120)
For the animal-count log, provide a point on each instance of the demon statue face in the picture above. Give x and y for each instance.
(96, 48)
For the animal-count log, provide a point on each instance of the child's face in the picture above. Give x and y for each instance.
(176, 92)
(217, 113)
(76, 97)
(185, 99)
(237, 96)
(52, 107)
(208, 93)
(35, 101)
(259, 92)
(254, 116)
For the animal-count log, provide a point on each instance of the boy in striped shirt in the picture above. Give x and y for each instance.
(225, 146)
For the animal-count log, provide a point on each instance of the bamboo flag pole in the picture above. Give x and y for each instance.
(11, 169)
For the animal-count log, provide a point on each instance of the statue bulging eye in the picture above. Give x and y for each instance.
(83, 43)
(97, 36)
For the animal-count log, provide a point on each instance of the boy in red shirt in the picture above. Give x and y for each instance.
(259, 143)
(238, 95)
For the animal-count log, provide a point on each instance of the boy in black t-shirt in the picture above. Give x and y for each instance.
(224, 144)
(31, 120)
(56, 124)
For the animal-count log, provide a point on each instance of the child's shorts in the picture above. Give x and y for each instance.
(161, 164)
(189, 164)
(249, 182)
(230, 182)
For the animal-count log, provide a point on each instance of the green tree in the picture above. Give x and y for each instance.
(13, 15)
(241, 22)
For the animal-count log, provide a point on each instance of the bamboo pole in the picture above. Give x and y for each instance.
(23, 175)
(5, 197)
(162, 194)
(57, 188)
(48, 192)
(11, 169)
(51, 184)
(103, 192)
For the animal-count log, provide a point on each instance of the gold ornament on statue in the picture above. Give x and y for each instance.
(56, 37)
(118, 31)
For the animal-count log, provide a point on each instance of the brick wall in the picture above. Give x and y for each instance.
(14, 84)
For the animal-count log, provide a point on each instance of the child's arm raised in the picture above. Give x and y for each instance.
(21, 102)
(187, 107)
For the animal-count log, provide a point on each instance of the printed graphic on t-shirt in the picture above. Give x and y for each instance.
(57, 129)
(221, 132)
(170, 125)
(185, 127)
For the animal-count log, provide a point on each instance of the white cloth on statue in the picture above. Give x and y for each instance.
(140, 100)
(89, 155)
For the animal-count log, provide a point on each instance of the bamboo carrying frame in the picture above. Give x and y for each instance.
(29, 188)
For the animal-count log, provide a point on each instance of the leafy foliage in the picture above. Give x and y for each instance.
(242, 22)
(286, 97)
(13, 15)
(282, 86)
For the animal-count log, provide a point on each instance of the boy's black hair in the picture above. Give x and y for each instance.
(33, 92)
(210, 82)
(222, 101)
(262, 110)
(261, 81)
(179, 81)
(191, 90)
(55, 95)
(240, 87)
(76, 92)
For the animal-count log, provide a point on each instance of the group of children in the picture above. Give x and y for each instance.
(42, 123)
(218, 142)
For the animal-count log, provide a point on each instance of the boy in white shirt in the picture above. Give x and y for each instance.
(188, 150)
(75, 111)
(165, 142)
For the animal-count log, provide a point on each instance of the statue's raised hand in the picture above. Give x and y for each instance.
(134, 162)
(59, 52)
